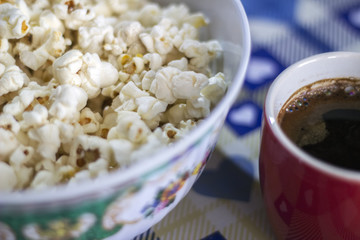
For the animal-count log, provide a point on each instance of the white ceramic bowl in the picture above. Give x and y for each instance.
(127, 202)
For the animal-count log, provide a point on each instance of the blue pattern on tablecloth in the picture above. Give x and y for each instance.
(280, 10)
(352, 16)
(262, 69)
(214, 236)
(244, 117)
(227, 181)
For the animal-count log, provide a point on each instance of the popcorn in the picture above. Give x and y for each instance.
(154, 61)
(113, 90)
(48, 140)
(130, 91)
(109, 122)
(181, 64)
(159, 39)
(37, 117)
(89, 120)
(8, 122)
(73, 14)
(200, 53)
(149, 107)
(96, 74)
(193, 109)
(122, 150)
(27, 95)
(68, 132)
(11, 79)
(150, 14)
(68, 100)
(8, 178)
(86, 71)
(197, 108)
(8, 143)
(161, 86)
(48, 20)
(87, 87)
(24, 175)
(176, 113)
(129, 31)
(129, 126)
(66, 68)
(187, 85)
(99, 167)
(87, 149)
(152, 142)
(6, 59)
(14, 24)
(43, 179)
(215, 89)
(53, 47)
(147, 79)
(21, 156)
(4, 46)
(187, 31)
(91, 38)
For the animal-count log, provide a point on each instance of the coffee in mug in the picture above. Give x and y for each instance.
(323, 119)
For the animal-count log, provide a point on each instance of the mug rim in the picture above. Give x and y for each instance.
(271, 118)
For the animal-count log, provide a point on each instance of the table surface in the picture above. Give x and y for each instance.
(226, 203)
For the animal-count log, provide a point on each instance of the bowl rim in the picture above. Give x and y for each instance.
(67, 194)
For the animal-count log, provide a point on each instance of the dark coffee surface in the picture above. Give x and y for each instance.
(324, 120)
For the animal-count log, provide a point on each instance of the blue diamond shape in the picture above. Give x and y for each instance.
(244, 117)
(283, 10)
(230, 180)
(351, 16)
(262, 69)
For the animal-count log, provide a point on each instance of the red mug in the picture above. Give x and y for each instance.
(306, 198)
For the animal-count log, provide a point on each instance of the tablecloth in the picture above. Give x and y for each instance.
(226, 203)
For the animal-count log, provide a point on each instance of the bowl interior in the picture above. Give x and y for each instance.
(229, 25)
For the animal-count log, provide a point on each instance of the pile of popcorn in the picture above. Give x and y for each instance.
(91, 86)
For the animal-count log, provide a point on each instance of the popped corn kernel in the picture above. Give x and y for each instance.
(89, 120)
(122, 149)
(67, 100)
(53, 47)
(149, 107)
(188, 84)
(87, 149)
(215, 89)
(154, 60)
(8, 122)
(66, 68)
(199, 53)
(21, 156)
(26, 97)
(8, 143)
(8, 179)
(14, 24)
(129, 126)
(96, 74)
(48, 140)
(43, 179)
(12, 78)
(34, 118)
(161, 86)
